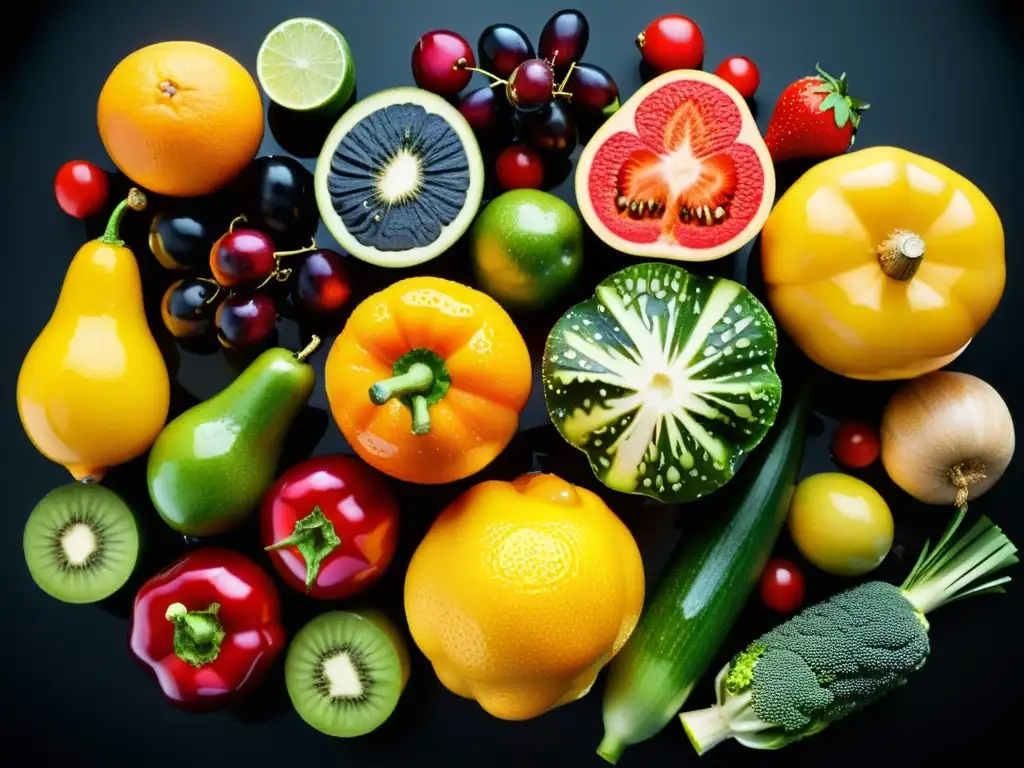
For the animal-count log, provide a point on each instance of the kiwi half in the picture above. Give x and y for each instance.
(345, 672)
(400, 178)
(81, 543)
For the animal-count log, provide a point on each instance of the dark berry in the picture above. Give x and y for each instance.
(502, 48)
(519, 167)
(564, 39)
(187, 307)
(322, 284)
(439, 62)
(242, 257)
(245, 319)
(531, 85)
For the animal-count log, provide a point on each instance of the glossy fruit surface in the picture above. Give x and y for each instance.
(693, 180)
(782, 586)
(564, 39)
(330, 525)
(306, 65)
(502, 48)
(593, 90)
(840, 524)
(436, 62)
(855, 444)
(741, 73)
(187, 309)
(489, 589)
(245, 319)
(527, 247)
(180, 118)
(182, 238)
(550, 128)
(519, 167)
(93, 390)
(485, 109)
(242, 257)
(531, 85)
(672, 42)
(278, 198)
(81, 188)
(322, 283)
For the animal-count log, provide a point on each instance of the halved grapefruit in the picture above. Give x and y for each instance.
(679, 172)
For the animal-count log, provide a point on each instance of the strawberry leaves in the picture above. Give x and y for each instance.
(845, 108)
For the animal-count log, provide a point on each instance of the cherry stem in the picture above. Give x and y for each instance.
(305, 249)
(565, 81)
(463, 64)
(235, 221)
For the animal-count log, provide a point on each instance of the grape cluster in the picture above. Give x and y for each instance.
(535, 98)
(233, 273)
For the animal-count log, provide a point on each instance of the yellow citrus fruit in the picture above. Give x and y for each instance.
(521, 592)
(180, 118)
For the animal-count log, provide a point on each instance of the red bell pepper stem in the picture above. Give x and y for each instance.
(315, 538)
(197, 634)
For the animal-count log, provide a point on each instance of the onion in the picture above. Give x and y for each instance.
(946, 435)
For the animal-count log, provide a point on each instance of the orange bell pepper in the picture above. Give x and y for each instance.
(427, 380)
(882, 264)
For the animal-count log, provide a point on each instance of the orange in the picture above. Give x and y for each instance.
(180, 118)
(521, 592)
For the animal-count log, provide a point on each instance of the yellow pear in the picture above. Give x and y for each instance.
(93, 390)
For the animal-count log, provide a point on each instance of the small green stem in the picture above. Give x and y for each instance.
(420, 415)
(315, 538)
(136, 200)
(197, 634)
(416, 380)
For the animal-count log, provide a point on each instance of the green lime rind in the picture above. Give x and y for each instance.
(306, 65)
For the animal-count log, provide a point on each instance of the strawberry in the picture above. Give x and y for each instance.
(813, 118)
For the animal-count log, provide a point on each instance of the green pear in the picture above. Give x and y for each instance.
(211, 465)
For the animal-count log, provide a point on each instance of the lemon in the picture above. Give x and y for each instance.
(305, 64)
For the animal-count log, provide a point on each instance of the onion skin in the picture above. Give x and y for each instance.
(940, 421)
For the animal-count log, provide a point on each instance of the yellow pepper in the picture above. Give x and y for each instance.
(882, 264)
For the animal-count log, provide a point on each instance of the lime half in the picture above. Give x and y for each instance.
(305, 64)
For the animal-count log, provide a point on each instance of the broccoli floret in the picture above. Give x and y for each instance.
(837, 656)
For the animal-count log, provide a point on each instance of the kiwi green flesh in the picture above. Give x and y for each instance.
(398, 177)
(343, 674)
(81, 543)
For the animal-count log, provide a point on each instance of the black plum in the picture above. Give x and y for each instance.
(593, 91)
(277, 196)
(564, 39)
(321, 283)
(549, 129)
(181, 239)
(502, 48)
(245, 319)
(486, 109)
(188, 307)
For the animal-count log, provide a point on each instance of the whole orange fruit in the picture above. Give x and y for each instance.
(521, 592)
(180, 118)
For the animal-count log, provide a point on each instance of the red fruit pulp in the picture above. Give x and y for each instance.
(672, 42)
(435, 62)
(242, 257)
(519, 167)
(684, 161)
(531, 85)
(741, 73)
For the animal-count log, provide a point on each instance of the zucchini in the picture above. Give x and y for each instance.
(702, 593)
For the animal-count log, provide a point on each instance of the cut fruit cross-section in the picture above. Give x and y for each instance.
(305, 64)
(679, 172)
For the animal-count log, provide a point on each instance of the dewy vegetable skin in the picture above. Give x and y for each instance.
(207, 627)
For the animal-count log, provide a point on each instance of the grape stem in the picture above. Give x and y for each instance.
(565, 81)
(236, 221)
(461, 63)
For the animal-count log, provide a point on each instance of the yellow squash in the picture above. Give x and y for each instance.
(882, 264)
(93, 391)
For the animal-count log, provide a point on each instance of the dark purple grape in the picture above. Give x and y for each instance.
(187, 309)
(531, 85)
(502, 48)
(322, 285)
(245, 319)
(564, 39)
(549, 129)
(485, 109)
(593, 91)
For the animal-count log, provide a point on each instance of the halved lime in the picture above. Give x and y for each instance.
(305, 64)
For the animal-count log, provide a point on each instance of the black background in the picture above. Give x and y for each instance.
(942, 78)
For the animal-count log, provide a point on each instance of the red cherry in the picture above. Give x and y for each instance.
(245, 319)
(519, 167)
(531, 85)
(855, 444)
(672, 42)
(440, 60)
(782, 586)
(322, 285)
(242, 257)
(741, 73)
(81, 188)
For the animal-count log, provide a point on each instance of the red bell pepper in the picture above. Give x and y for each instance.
(330, 525)
(207, 627)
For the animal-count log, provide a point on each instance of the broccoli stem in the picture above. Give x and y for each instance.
(732, 718)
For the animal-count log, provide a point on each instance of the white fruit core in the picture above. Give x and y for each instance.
(78, 543)
(401, 179)
(682, 169)
(342, 677)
